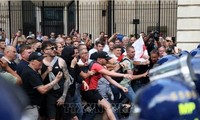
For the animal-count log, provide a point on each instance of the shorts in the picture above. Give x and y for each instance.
(53, 110)
(91, 96)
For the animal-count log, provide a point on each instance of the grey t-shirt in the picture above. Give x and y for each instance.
(126, 82)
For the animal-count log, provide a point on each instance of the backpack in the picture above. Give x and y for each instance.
(85, 69)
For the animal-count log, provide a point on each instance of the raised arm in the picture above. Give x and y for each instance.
(14, 44)
(112, 37)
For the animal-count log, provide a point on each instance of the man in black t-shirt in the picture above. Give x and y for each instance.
(25, 52)
(33, 86)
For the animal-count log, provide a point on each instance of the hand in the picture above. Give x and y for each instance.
(91, 72)
(123, 64)
(61, 100)
(125, 89)
(85, 86)
(73, 62)
(145, 57)
(128, 76)
(3, 63)
(146, 73)
(59, 76)
(148, 62)
(49, 69)
(18, 34)
(115, 34)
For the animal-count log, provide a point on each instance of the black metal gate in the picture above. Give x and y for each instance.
(29, 17)
(156, 15)
(52, 20)
(91, 16)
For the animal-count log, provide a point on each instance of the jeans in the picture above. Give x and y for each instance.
(118, 96)
(136, 85)
(73, 105)
(130, 94)
(77, 101)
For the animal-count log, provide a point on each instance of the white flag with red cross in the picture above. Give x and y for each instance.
(141, 53)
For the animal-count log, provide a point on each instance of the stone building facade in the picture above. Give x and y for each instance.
(171, 17)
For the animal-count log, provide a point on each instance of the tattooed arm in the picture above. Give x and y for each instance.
(67, 83)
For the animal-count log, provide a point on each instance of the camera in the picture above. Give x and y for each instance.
(90, 36)
(1, 34)
(156, 35)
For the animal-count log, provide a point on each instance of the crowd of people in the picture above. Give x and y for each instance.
(74, 78)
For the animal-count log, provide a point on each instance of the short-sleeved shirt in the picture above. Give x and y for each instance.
(93, 80)
(21, 66)
(126, 82)
(31, 80)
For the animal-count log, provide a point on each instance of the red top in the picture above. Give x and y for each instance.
(93, 80)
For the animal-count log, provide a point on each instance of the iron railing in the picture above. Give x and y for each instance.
(89, 16)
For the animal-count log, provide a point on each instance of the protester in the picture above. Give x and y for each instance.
(25, 52)
(9, 74)
(2, 47)
(92, 95)
(52, 65)
(10, 54)
(33, 86)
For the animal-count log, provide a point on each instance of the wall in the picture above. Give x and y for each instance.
(188, 24)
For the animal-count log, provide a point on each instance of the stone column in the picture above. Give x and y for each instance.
(188, 24)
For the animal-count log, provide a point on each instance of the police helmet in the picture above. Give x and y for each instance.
(195, 52)
(183, 53)
(167, 99)
(166, 59)
(195, 63)
(198, 46)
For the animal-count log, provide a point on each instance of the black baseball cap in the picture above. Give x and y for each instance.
(100, 54)
(93, 56)
(36, 56)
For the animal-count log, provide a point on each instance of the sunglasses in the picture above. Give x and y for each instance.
(168, 40)
(52, 48)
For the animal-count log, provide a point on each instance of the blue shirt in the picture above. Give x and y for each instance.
(21, 66)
